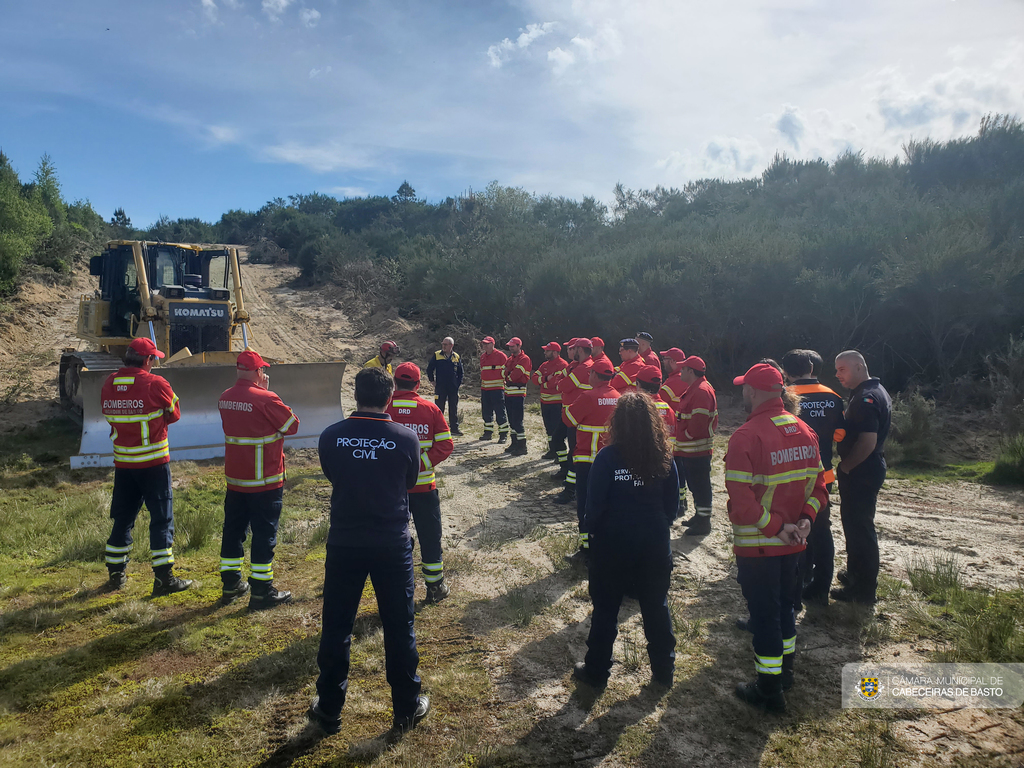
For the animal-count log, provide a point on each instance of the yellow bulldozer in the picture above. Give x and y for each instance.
(188, 299)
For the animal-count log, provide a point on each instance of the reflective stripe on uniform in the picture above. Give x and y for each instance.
(788, 645)
(162, 557)
(230, 564)
(768, 665)
(433, 572)
(255, 483)
(261, 571)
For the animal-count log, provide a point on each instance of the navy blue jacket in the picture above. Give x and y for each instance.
(870, 410)
(445, 372)
(371, 461)
(626, 513)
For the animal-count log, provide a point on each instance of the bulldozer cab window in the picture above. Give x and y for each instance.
(167, 270)
(216, 269)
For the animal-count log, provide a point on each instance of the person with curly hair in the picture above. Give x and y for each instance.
(632, 499)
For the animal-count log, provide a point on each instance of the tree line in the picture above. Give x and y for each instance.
(917, 261)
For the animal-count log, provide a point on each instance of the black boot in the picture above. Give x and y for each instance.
(787, 671)
(234, 588)
(568, 494)
(701, 526)
(550, 453)
(487, 435)
(265, 596)
(166, 583)
(502, 436)
(512, 446)
(438, 591)
(116, 579)
(519, 448)
(688, 521)
(584, 675)
(765, 692)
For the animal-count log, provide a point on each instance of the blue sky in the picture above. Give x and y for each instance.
(194, 107)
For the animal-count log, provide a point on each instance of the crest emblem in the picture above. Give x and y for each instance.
(869, 688)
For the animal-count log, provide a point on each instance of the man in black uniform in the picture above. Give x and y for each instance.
(861, 472)
(822, 410)
(370, 461)
(445, 372)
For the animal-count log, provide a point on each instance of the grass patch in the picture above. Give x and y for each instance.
(558, 547)
(976, 472)
(1009, 467)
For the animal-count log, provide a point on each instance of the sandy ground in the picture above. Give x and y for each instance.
(499, 516)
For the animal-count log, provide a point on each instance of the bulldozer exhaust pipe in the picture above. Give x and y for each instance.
(312, 390)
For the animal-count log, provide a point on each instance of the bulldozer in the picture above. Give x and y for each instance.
(188, 299)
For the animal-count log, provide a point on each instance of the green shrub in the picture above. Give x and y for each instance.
(1009, 467)
(913, 431)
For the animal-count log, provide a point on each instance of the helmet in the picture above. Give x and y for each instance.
(389, 348)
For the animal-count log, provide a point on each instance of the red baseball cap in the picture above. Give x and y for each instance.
(695, 363)
(604, 367)
(763, 377)
(552, 346)
(571, 343)
(487, 340)
(408, 372)
(597, 341)
(250, 361)
(144, 346)
(585, 343)
(514, 340)
(649, 374)
(675, 353)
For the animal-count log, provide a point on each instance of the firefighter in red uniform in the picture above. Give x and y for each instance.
(589, 415)
(649, 380)
(597, 349)
(436, 444)
(562, 436)
(517, 375)
(547, 377)
(646, 352)
(697, 420)
(492, 389)
(625, 374)
(576, 382)
(255, 422)
(776, 487)
(672, 391)
(139, 405)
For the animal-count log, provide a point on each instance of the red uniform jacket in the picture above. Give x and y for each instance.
(651, 358)
(492, 370)
(698, 419)
(426, 420)
(255, 422)
(517, 375)
(666, 413)
(624, 379)
(673, 390)
(774, 476)
(139, 406)
(547, 378)
(590, 414)
(576, 382)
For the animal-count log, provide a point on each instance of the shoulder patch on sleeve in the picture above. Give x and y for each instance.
(869, 400)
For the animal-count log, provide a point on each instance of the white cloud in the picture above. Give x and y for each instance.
(233, 4)
(222, 134)
(210, 10)
(346, 191)
(274, 8)
(320, 158)
(560, 60)
(310, 17)
(499, 53)
(315, 73)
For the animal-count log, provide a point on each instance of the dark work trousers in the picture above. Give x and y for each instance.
(817, 564)
(582, 475)
(260, 511)
(570, 478)
(448, 395)
(132, 487)
(552, 415)
(681, 470)
(390, 572)
(516, 406)
(697, 471)
(858, 495)
(492, 406)
(426, 515)
(646, 575)
(769, 586)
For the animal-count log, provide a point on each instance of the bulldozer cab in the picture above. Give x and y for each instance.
(189, 286)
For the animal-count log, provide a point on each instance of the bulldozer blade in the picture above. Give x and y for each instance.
(312, 390)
